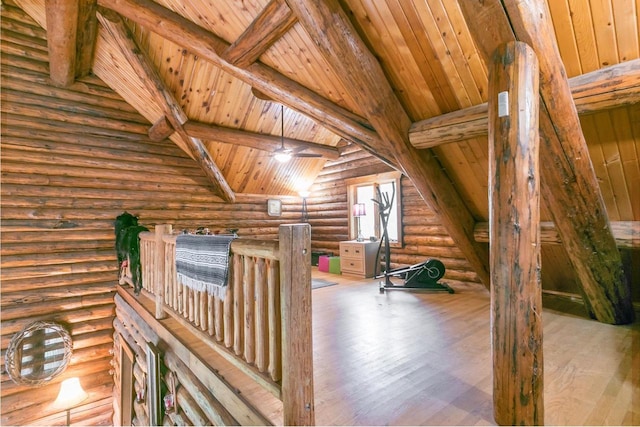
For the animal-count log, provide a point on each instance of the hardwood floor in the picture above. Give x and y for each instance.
(414, 358)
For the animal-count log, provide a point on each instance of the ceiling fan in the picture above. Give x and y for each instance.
(283, 154)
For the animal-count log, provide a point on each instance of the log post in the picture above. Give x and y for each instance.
(514, 211)
(62, 27)
(161, 230)
(570, 191)
(297, 348)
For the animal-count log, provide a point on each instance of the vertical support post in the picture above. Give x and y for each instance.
(154, 392)
(297, 346)
(514, 218)
(159, 274)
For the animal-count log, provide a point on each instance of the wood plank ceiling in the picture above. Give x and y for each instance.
(207, 69)
(429, 57)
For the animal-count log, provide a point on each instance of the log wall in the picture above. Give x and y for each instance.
(424, 235)
(205, 395)
(72, 160)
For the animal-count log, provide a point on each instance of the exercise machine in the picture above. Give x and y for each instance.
(421, 276)
(424, 275)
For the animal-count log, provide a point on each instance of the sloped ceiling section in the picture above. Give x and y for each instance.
(405, 80)
(425, 49)
(205, 94)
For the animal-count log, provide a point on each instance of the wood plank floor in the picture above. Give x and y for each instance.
(414, 358)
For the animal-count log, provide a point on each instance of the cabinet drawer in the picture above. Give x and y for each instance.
(351, 251)
(353, 265)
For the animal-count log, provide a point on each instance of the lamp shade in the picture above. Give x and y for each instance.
(71, 394)
(358, 210)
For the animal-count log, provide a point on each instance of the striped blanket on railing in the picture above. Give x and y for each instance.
(202, 262)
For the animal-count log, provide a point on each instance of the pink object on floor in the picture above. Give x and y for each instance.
(323, 263)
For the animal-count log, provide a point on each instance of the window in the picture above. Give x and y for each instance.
(364, 190)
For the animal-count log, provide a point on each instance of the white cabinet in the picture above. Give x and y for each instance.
(358, 258)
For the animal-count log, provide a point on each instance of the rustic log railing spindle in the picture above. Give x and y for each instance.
(159, 274)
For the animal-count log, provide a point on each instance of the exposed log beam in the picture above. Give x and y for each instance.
(626, 233)
(569, 184)
(345, 147)
(162, 129)
(609, 87)
(255, 92)
(117, 29)
(207, 45)
(342, 48)
(455, 126)
(259, 141)
(274, 21)
(62, 26)
(86, 36)
(602, 89)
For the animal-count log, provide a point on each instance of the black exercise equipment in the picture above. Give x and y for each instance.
(424, 275)
(421, 276)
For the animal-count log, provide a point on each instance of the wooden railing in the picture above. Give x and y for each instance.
(259, 321)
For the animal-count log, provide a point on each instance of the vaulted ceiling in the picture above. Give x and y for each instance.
(424, 47)
(406, 80)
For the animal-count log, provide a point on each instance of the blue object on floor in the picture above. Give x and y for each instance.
(321, 283)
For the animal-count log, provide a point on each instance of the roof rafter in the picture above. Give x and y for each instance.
(207, 45)
(602, 89)
(115, 26)
(274, 21)
(346, 52)
(86, 37)
(569, 184)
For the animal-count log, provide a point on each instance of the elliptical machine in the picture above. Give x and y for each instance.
(421, 276)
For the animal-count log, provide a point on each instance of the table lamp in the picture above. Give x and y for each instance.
(71, 395)
(359, 211)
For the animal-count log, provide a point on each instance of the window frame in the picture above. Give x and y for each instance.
(375, 180)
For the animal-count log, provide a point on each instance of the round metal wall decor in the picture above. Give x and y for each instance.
(38, 353)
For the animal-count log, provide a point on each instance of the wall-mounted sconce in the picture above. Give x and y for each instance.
(358, 212)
